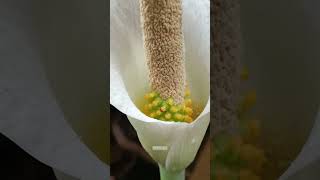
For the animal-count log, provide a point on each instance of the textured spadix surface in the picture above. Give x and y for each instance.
(163, 42)
(129, 81)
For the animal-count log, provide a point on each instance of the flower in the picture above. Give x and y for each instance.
(172, 144)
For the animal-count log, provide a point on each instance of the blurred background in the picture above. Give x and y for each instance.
(69, 38)
(16, 164)
(73, 47)
(280, 48)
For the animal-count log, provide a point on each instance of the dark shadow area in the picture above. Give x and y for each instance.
(16, 164)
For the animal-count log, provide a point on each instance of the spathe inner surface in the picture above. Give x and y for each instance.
(73, 58)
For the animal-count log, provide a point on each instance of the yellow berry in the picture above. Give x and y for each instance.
(178, 117)
(174, 109)
(158, 113)
(156, 102)
(167, 109)
(153, 94)
(188, 110)
(187, 119)
(150, 96)
(152, 115)
(167, 116)
(170, 101)
(188, 102)
(162, 119)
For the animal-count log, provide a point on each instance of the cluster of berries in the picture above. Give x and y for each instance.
(167, 110)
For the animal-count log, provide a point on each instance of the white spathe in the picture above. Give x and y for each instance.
(129, 81)
(29, 113)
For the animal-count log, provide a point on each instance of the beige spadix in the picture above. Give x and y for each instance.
(164, 47)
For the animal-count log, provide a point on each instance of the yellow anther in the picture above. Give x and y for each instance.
(162, 119)
(150, 96)
(158, 113)
(170, 101)
(156, 102)
(167, 116)
(150, 106)
(152, 115)
(178, 117)
(183, 107)
(188, 110)
(187, 119)
(167, 110)
(174, 109)
(188, 102)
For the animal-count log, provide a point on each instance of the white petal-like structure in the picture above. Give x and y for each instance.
(30, 114)
(172, 144)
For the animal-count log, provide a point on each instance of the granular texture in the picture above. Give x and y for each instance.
(225, 76)
(165, 110)
(164, 47)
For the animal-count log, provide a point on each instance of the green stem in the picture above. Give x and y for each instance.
(171, 175)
